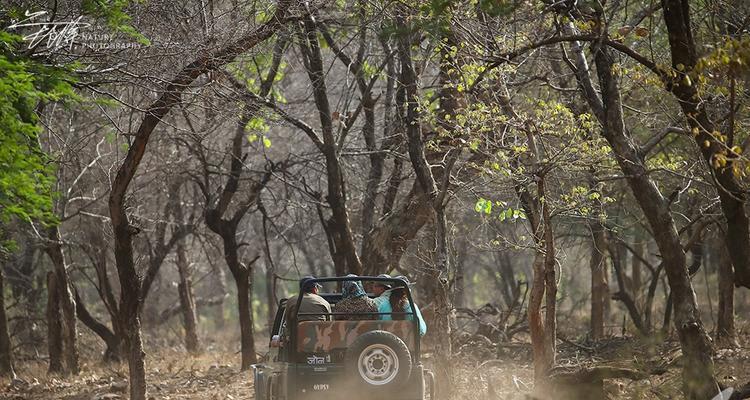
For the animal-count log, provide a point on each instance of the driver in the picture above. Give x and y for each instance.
(311, 303)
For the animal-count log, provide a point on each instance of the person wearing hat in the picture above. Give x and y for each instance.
(398, 302)
(311, 303)
(381, 290)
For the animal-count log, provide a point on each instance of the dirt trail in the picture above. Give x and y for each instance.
(215, 375)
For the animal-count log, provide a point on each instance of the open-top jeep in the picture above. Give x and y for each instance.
(344, 358)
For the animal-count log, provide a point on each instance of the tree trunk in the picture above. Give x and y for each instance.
(648, 307)
(599, 286)
(112, 353)
(636, 267)
(22, 288)
(67, 303)
(623, 294)
(242, 275)
(442, 306)
(536, 324)
(543, 331)
(435, 195)
(113, 338)
(698, 379)
(54, 326)
(220, 287)
(187, 301)
(390, 238)
(698, 366)
(244, 293)
(510, 287)
(6, 348)
(128, 314)
(550, 279)
(271, 294)
(726, 336)
(459, 286)
(668, 308)
(731, 194)
(131, 328)
(543, 284)
(227, 230)
(337, 196)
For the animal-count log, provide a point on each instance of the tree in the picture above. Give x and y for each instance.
(130, 281)
(698, 379)
(435, 195)
(25, 175)
(715, 148)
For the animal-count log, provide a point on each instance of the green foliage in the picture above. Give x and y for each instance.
(511, 214)
(484, 206)
(113, 12)
(258, 124)
(26, 174)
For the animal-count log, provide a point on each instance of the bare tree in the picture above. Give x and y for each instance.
(130, 282)
(64, 294)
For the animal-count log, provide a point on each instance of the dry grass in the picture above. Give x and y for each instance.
(171, 375)
(215, 374)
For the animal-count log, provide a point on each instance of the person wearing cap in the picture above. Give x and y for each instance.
(398, 302)
(354, 301)
(311, 303)
(381, 290)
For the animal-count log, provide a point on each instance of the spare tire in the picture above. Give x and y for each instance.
(379, 360)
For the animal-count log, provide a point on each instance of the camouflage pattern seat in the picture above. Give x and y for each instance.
(326, 336)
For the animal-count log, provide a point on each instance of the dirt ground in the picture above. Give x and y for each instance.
(215, 374)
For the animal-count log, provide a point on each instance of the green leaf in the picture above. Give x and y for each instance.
(483, 206)
(257, 124)
(479, 205)
(502, 216)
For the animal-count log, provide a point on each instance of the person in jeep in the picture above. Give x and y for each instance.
(311, 303)
(354, 302)
(381, 290)
(398, 303)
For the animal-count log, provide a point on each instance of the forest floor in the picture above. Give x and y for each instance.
(503, 373)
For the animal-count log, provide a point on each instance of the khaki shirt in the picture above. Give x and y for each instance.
(311, 303)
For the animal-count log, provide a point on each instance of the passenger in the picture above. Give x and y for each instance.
(355, 300)
(381, 290)
(311, 303)
(398, 302)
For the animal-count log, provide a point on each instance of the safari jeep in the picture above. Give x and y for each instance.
(344, 359)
